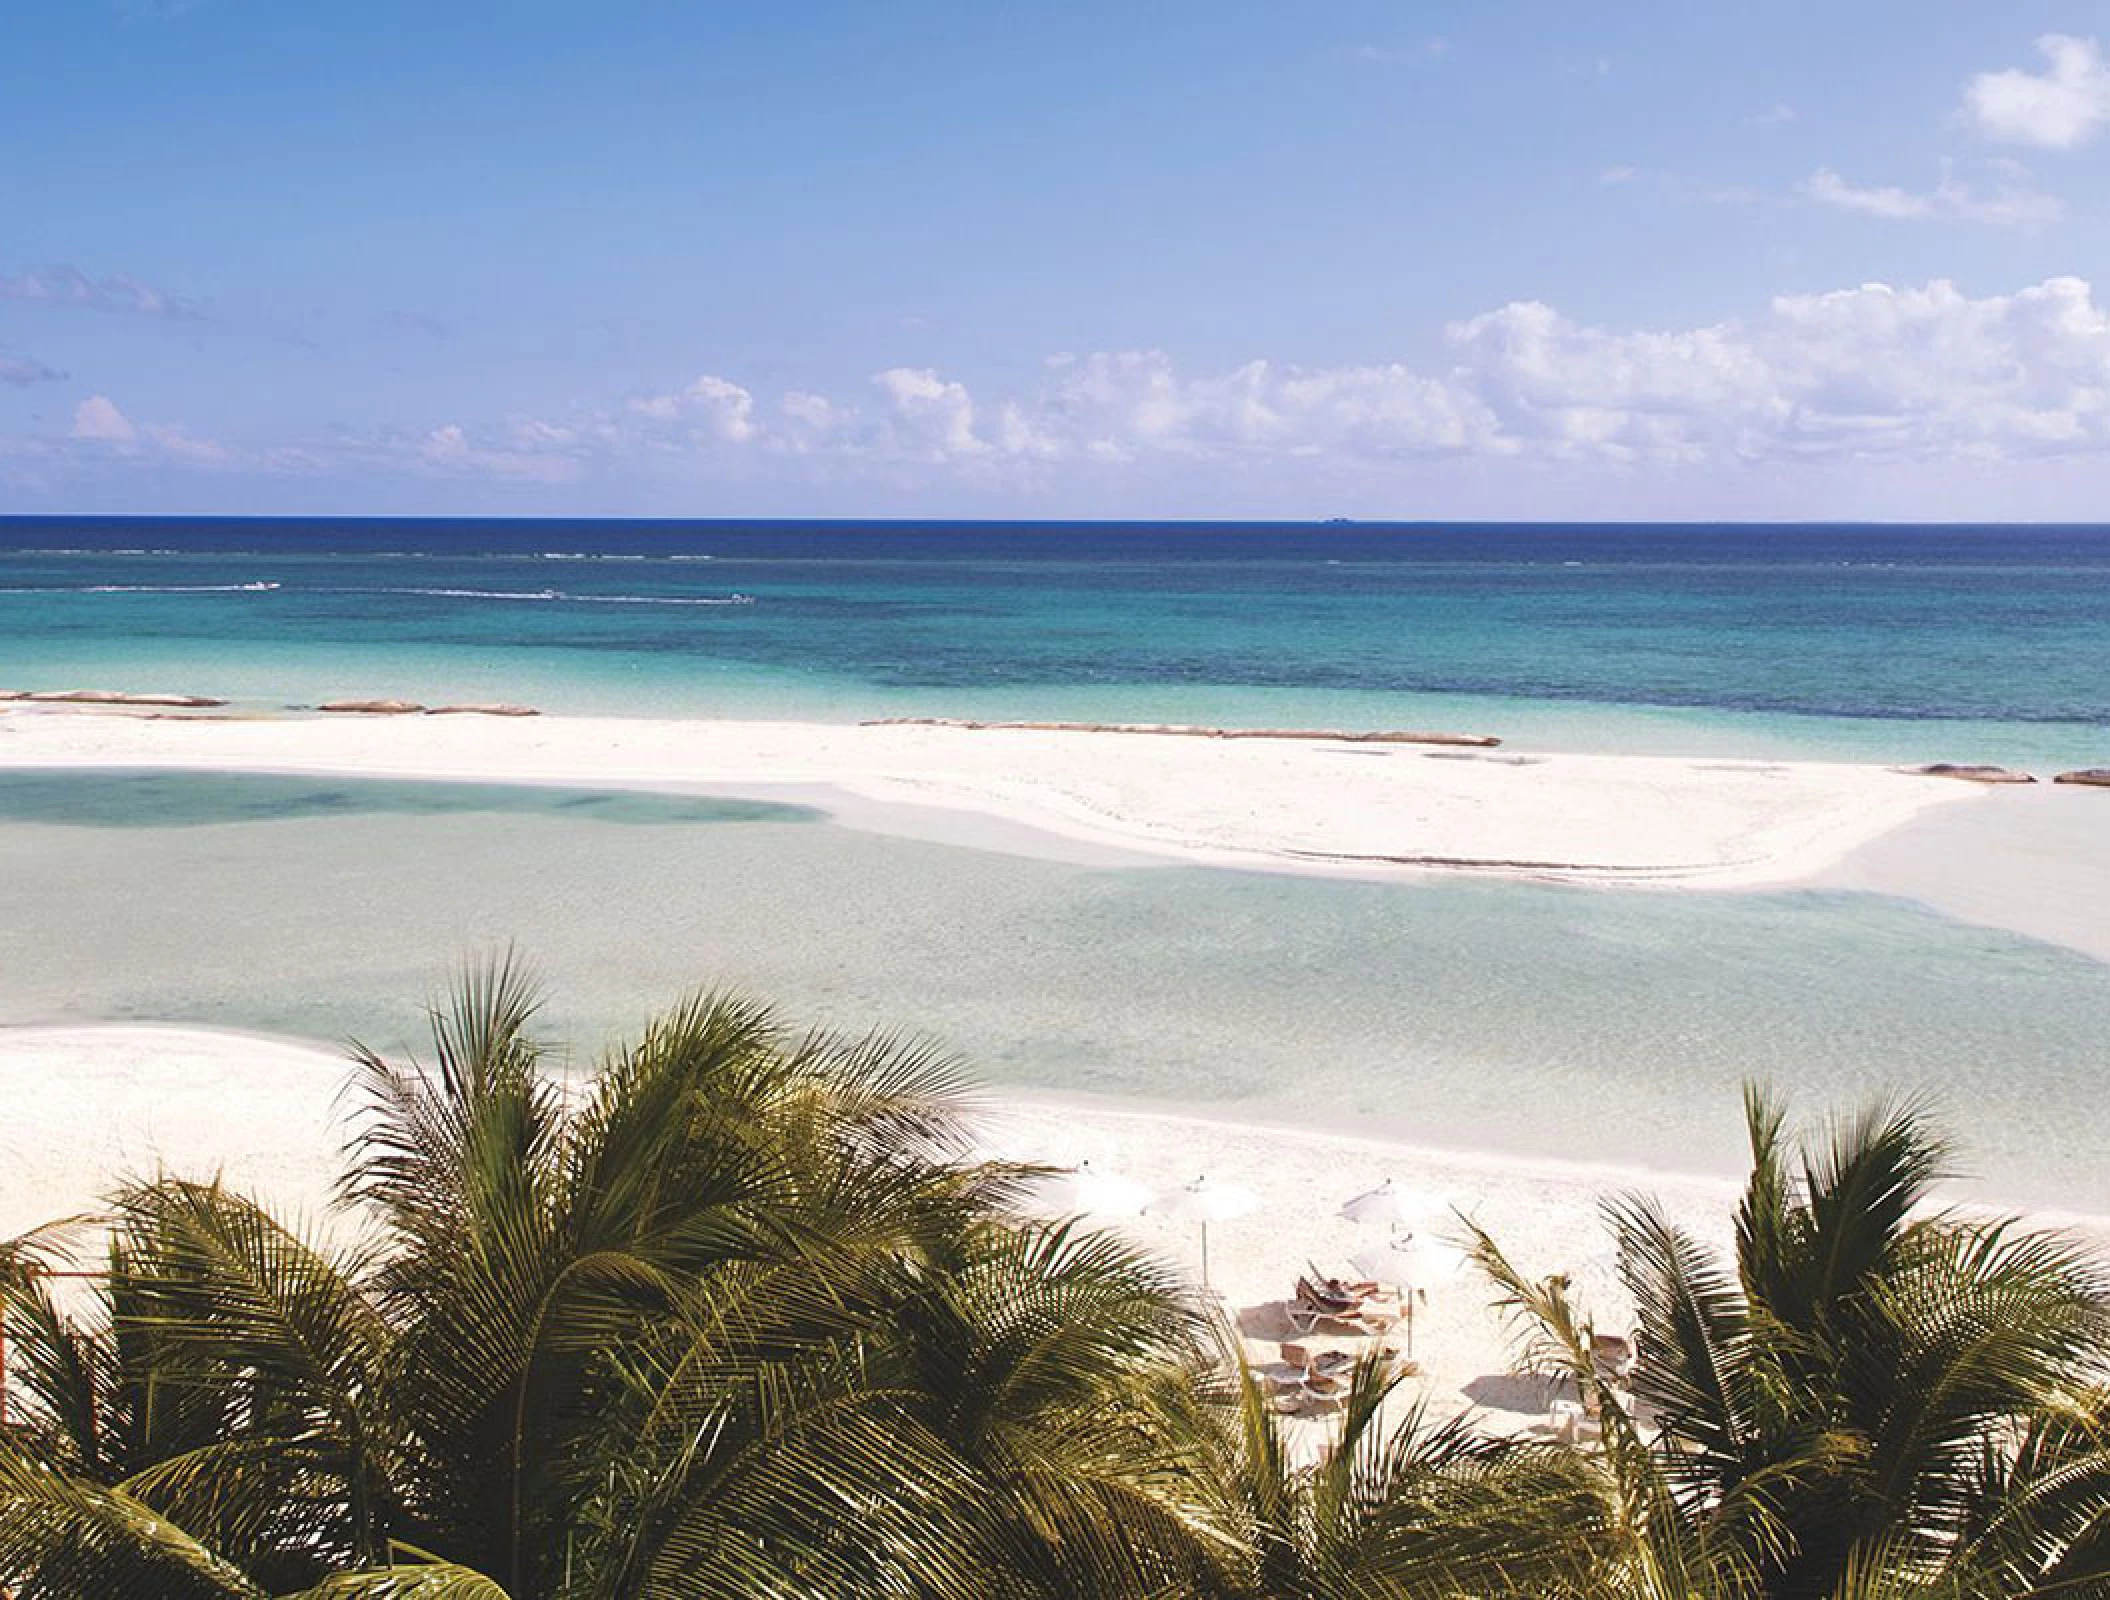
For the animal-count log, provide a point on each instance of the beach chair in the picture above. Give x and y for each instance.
(1613, 1358)
(1329, 1294)
(1332, 1306)
(1566, 1421)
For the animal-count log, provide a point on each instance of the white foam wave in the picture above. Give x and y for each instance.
(176, 588)
(547, 596)
(661, 600)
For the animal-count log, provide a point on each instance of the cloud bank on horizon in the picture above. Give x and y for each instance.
(1832, 298)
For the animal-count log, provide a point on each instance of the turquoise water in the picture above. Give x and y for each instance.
(1883, 643)
(1513, 1016)
(1534, 1019)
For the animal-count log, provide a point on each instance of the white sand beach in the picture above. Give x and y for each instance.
(1318, 805)
(89, 1107)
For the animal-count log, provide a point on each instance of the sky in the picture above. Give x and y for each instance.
(1149, 259)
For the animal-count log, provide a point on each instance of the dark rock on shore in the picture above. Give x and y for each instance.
(374, 708)
(2092, 777)
(494, 710)
(1971, 774)
(114, 697)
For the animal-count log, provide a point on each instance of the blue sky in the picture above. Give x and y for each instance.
(1437, 260)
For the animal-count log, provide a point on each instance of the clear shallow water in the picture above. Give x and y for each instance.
(1533, 1019)
(1881, 643)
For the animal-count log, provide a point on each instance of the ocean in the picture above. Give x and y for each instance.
(1525, 1018)
(1887, 643)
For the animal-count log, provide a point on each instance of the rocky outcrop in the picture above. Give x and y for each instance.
(2092, 777)
(1971, 774)
(374, 708)
(495, 710)
(1189, 731)
(115, 697)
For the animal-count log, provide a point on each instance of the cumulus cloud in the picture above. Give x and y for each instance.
(20, 371)
(1870, 373)
(1923, 375)
(927, 417)
(538, 453)
(98, 418)
(2059, 108)
(69, 286)
(2008, 205)
(183, 445)
(710, 408)
(100, 425)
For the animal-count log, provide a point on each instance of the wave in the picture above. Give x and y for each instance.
(548, 596)
(67, 550)
(173, 588)
(661, 600)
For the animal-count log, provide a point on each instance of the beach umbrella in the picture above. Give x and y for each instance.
(1205, 1202)
(1392, 1206)
(1086, 1191)
(1413, 1261)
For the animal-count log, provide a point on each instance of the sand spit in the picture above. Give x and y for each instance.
(1186, 730)
(1280, 804)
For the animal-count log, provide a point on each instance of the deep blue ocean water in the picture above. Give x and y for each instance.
(1885, 642)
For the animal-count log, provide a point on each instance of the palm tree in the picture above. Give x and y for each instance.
(1396, 1507)
(1876, 1398)
(742, 1317)
(745, 1321)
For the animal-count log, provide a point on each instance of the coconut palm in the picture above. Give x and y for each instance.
(1394, 1506)
(1874, 1398)
(743, 1321)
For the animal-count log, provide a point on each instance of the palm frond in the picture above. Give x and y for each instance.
(64, 1538)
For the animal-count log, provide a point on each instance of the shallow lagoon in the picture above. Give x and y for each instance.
(1514, 1017)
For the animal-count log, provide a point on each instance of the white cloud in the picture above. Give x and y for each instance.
(2007, 205)
(98, 418)
(1392, 55)
(1926, 377)
(99, 424)
(710, 408)
(449, 449)
(2058, 108)
(929, 417)
(21, 371)
(69, 286)
(1774, 116)
(1924, 374)
(184, 445)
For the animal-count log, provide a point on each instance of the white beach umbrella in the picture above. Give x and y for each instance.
(1086, 1191)
(1416, 1263)
(1205, 1202)
(1392, 1206)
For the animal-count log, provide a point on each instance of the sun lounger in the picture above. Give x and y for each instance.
(1330, 1295)
(1365, 1317)
(1613, 1358)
